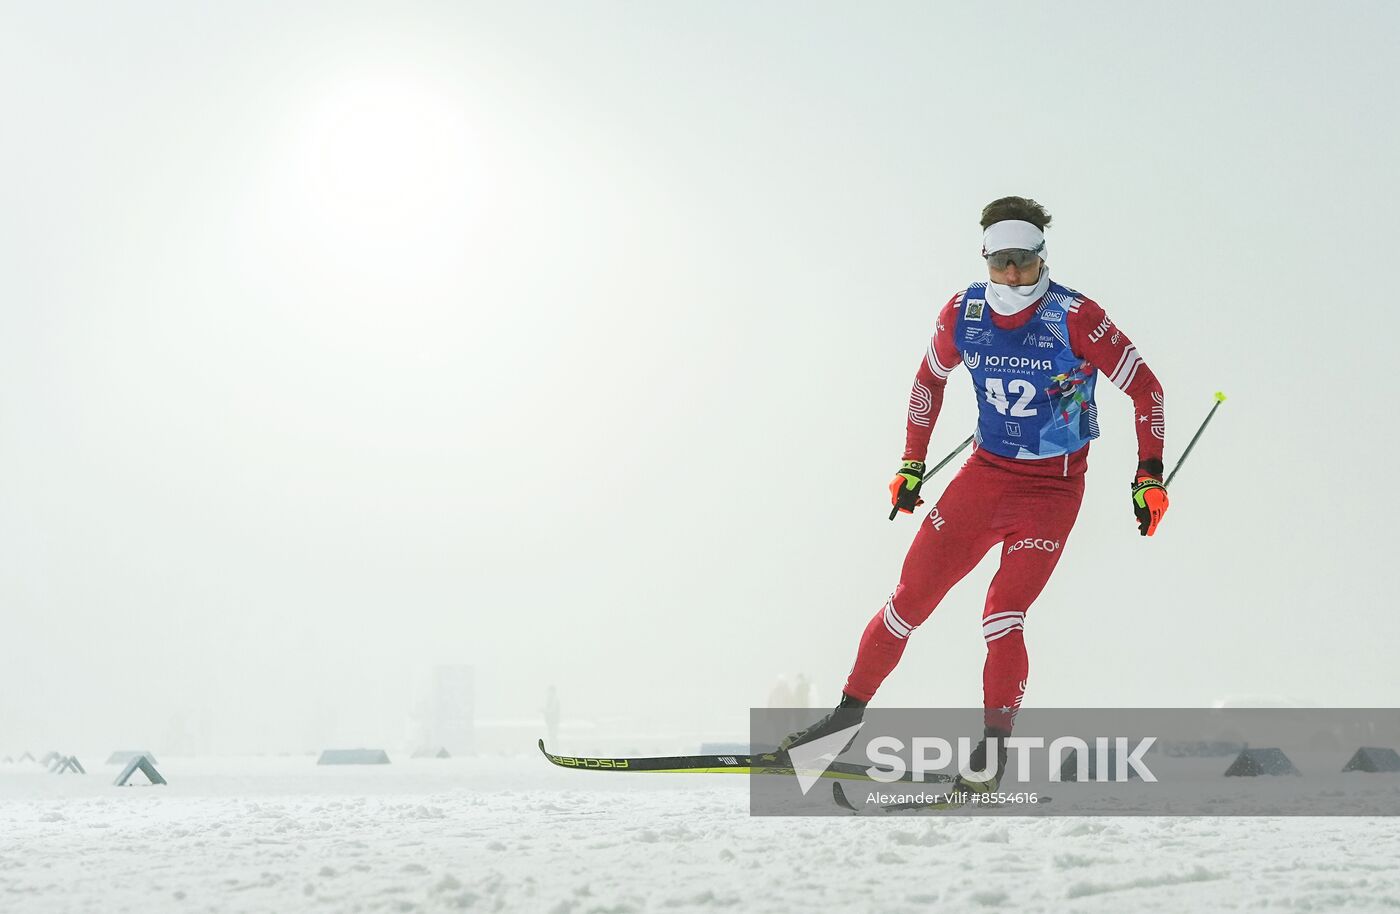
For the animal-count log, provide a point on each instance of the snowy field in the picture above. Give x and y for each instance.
(514, 834)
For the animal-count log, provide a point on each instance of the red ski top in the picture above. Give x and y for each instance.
(1093, 337)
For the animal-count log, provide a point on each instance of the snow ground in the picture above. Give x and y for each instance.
(515, 834)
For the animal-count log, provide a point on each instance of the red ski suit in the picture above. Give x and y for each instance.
(1025, 507)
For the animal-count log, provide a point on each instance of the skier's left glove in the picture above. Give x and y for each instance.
(1149, 502)
(904, 488)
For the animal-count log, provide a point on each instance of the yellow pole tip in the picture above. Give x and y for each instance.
(1220, 396)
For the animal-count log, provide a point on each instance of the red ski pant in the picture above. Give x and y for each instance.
(1029, 519)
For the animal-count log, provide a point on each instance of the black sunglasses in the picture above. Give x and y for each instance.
(1023, 259)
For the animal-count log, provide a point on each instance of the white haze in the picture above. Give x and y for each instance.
(573, 341)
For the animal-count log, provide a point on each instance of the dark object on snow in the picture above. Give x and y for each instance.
(1254, 762)
(26, 757)
(353, 757)
(70, 763)
(430, 752)
(122, 756)
(143, 764)
(1370, 758)
(1069, 769)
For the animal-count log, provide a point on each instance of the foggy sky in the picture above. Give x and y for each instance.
(574, 341)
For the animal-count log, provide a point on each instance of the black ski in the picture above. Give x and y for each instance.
(764, 763)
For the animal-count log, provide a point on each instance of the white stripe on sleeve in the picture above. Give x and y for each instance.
(934, 365)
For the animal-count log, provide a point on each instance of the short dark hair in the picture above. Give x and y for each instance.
(1022, 208)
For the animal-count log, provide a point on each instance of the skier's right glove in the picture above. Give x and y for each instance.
(904, 488)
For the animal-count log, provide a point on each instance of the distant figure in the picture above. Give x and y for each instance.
(802, 693)
(781, 697)
(551, 716)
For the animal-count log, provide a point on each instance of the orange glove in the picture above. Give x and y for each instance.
(904, 488)
(1149, 502)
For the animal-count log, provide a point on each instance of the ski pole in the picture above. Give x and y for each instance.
(1219, 398)
(941, 464)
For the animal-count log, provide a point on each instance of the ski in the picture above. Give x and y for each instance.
(764, 763)
(944, 802)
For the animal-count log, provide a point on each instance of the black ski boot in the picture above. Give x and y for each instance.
(847, 714)
(978, 762)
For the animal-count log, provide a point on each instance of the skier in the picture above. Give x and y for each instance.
(1034, 349)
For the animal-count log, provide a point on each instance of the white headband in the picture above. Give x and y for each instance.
(1013, 234)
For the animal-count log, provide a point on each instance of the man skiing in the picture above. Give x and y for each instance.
(1034, 349)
